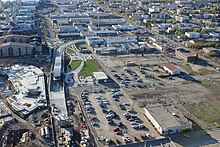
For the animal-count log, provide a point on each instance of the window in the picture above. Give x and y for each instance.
(10, 52)
(12, 39)
(19, 51)
(1, 53)
(26, 50)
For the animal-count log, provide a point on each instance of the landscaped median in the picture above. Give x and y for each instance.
(70, 51)
(75, 64)
(89, 67)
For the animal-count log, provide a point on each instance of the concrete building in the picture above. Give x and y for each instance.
(192, 35)
(70, 36)
(95, 40)
(18, 45)
(182, 18)
(105, 33)
(171, 69)
(212, 51)
(159, 45)
(159, 15)
(12, 28)
(105, 50)
(185, 55)
(100, 77)
(29, 89)
(167, 119)
(124, 27)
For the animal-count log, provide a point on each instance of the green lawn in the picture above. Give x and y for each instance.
(75, 64)
(70, 51)
(89, 67)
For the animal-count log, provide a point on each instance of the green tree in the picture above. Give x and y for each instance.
(204, 31)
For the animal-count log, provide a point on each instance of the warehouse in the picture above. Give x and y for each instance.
(167, 119)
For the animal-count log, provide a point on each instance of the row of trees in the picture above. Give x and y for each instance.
(201, 45)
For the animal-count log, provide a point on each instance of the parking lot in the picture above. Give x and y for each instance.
(115, 118)
(143, 74)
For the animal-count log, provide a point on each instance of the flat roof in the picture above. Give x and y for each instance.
(105, 49)
(167, 116)
(100, 75)
(29, 83)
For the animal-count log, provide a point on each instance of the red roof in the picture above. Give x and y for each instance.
(170, 66)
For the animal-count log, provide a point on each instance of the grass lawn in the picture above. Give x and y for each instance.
(75, 64)
(187, 68)
(70, 51)
(89, 67)
(207, 71)
(208, 110)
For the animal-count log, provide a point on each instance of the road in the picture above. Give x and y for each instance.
(75, 73)
(199, 138)
(92, 132)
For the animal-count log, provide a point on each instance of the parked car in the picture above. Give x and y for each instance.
(129, 110)
(149, 136)
(126, 104)
(118, 142)
(126, 114)
(120, 124)
(126, 139)
(117, 99)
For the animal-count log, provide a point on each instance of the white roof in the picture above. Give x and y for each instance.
(100, 75)
(24, 79)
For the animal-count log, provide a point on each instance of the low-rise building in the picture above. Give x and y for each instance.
(29, 89)
(192, 35)
(212, 51)
(95, 40)
(100, 77)
(171, 69)
(167, 119)
(105, 50)
(186, 55)
(105, 33)
(182, 18)
(159, 46)
(70, 36)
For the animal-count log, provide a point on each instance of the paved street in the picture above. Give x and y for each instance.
(200, 138)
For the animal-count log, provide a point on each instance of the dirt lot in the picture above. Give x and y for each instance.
(104, 129)
(201, 99)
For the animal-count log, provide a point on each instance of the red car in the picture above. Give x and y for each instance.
(116, 129)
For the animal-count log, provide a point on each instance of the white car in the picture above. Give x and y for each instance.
(135, 126)
(126, 139)
(126, 104)
(140, 125)
(98, 97)
(129, 110)
(133, 123)
(126, 114)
